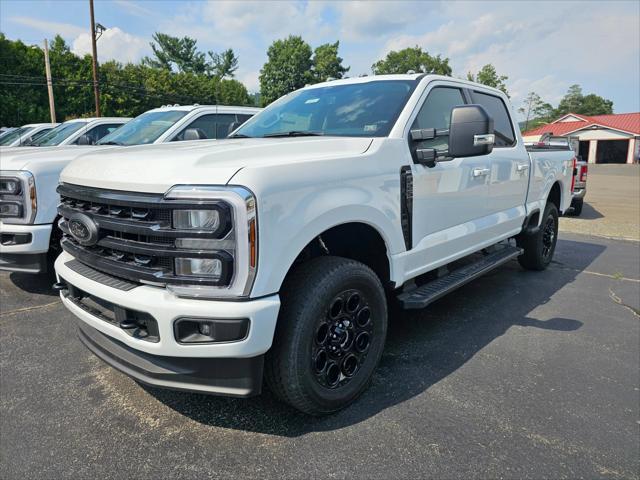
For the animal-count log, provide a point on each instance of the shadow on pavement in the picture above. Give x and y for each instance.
(423, 347)
(589, 213)
(37, 284)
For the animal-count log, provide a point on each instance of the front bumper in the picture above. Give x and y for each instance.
(236, 377)
(166, 308)
(23, 248)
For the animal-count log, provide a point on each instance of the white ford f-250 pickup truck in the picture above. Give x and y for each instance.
(199, 267)
(30, 235)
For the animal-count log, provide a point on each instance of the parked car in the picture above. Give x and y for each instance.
(275, 251)
(79, 131)
(579, 188)
(30, 236)
(25, 134)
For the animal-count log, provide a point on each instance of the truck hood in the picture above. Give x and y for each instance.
(156, 168)
(33, 158)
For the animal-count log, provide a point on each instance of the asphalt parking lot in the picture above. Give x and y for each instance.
(518, 374)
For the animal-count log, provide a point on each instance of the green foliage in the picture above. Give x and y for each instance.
(575, 102)
(412, 59)
(536, 111)
(288, 68)
(326, 62)
(488, 76)
(125, 90)
(223, 64)
(173, 53)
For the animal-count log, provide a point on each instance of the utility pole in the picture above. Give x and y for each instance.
(96, 87)
(47, 67)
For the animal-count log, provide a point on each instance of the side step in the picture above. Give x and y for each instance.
(432, 291)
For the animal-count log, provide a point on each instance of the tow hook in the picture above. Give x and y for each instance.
(60, 286)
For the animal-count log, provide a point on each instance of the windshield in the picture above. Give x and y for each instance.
(57, 135)
(353, 110)
(143, 129)
(36, 136)
(13, 135)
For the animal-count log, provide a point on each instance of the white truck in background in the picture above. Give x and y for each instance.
(29, 175)
(276, 251)
(25, 134)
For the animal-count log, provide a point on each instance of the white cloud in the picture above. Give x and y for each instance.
(51, 28)
(134, 8)
(114, 44)
(540, 50)
(363, 20)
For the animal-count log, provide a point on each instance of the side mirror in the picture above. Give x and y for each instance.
(470, 132)
(85, 140)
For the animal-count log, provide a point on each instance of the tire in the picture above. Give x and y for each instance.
(539, 248)
(577, 207)
(307, 367)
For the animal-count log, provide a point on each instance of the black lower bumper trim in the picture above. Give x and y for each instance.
(234, 377)
(24, 262)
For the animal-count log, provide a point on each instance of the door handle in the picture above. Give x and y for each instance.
(522, 167)
(481, 172)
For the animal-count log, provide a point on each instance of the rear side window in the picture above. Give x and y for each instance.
(99, 131)
(210, 126)
(436, 113)
(501, 122)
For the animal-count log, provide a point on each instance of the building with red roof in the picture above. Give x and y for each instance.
(602, 138)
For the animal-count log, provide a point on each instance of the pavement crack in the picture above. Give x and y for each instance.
(619, 301)
(27, 309)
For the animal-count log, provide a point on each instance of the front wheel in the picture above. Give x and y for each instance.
(539, 248)
(330, 335)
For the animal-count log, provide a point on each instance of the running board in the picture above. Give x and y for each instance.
(432, 291)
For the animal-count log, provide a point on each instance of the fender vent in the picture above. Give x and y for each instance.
(406, 205)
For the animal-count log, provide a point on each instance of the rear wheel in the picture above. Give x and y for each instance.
(330, 335)
(577, 207)
(539, 248)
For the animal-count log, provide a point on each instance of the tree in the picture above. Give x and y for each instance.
(412, 59)
(223, 64)
(288, 68)
(326, 62)
(176, 53)
(575, 102)
(536, 111)
(487, 75)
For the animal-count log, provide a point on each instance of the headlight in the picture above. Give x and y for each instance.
(9, 186)
(196, 219)
(201, 267)
(226, 217)
(18, 201)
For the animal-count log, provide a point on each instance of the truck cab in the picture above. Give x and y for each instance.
(275, 253)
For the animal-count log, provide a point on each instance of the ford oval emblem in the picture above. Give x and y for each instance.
(83, 229)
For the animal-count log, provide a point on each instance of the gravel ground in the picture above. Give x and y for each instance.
(612, 204)
(517, 375)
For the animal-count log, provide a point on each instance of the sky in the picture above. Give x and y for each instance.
(543, 46)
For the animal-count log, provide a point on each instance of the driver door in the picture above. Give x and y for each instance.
(449, 199)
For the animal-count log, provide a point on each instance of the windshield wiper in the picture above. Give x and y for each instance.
(294, 133)
(111, 142)
(239, 135)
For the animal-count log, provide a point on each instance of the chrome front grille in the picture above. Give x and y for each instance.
(135, 236)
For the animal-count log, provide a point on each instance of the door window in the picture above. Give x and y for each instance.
(210, 126)
(501, 121)
(99, 131)
(436, 113)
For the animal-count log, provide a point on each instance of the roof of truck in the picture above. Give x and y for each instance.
(219, 108)
(405, 76)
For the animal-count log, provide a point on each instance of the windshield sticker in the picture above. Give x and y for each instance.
(370, 128)
(312, 100)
